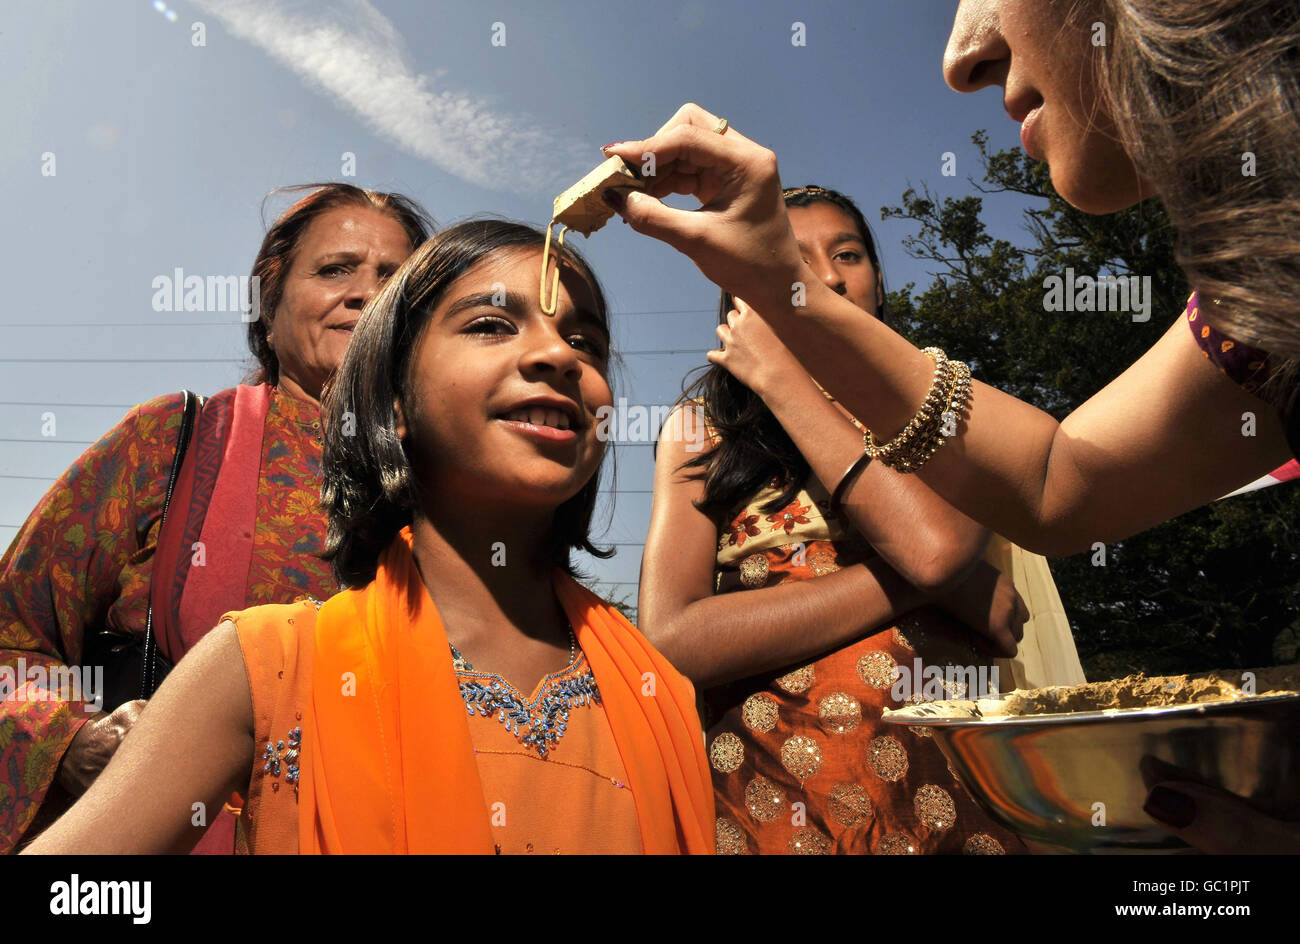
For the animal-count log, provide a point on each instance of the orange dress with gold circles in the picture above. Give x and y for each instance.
(802, 762)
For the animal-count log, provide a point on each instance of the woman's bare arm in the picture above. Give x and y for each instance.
(1163, 438)
(191, 748)
(715, 639)
(928, 542)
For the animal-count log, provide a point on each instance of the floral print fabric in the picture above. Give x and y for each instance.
(83, 560)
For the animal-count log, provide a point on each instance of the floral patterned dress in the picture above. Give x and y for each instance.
(84, 558)
(802, 762)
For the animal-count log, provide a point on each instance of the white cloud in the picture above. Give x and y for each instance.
(350, 51)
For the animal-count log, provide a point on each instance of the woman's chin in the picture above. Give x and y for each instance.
(1090, 200)
(1096, 190)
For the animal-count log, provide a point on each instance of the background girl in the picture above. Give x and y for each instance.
(798, 669)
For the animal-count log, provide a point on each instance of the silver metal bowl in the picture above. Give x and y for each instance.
(1076, 782)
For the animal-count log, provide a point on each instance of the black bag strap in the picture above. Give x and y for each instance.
(149, 679)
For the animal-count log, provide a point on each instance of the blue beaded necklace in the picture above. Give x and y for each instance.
(546, 719)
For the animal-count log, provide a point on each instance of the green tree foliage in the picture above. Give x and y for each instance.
(1218, 587)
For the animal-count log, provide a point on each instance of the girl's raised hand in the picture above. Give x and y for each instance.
(740, 237)
(753, 354)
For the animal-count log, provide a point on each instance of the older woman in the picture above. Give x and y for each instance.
(243, 522)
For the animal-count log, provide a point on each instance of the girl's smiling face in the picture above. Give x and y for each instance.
(501, 399)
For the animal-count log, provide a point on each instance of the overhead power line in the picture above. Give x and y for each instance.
(180, 323)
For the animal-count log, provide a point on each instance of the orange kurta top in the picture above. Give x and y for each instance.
(593, 810)
(597, 814)
(341, 768)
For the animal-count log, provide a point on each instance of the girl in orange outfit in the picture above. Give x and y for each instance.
(461, 468)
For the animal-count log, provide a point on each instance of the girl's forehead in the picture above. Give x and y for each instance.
(820, 211)
(512, 261)
(824, 221)
(518, 268)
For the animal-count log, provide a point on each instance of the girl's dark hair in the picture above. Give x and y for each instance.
(754, 448)
(369, 492)
(276, 255)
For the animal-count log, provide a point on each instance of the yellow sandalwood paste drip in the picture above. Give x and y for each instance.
(549, 308)
(582, 208)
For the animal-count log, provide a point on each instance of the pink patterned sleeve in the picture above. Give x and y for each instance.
(1245, 365)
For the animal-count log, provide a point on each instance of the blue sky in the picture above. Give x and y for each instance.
(163, 151)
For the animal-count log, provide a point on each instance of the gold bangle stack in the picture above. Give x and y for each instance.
(944, 405)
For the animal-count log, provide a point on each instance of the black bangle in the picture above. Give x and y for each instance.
(859, 464)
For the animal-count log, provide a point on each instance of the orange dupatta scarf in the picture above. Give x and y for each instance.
(387, 761)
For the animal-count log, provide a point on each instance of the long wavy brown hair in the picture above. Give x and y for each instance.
(1202, 93)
